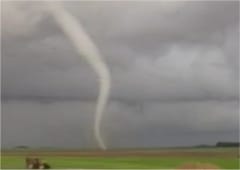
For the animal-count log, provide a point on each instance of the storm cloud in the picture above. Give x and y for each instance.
(174, 67)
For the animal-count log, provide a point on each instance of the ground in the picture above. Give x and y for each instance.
(225, 158)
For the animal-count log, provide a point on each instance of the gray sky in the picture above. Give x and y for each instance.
(174, 67)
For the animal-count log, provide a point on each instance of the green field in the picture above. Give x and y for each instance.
(169, 159)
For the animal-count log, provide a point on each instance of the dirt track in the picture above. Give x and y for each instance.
(124, 153)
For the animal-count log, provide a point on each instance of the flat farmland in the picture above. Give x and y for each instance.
(224, 158)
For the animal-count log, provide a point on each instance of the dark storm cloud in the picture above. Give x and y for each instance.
(159, 53)
(145, 53)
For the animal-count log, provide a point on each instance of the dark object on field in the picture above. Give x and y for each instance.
(29, 163)
(45, 166)
(228, 144)
(35, 163)
(32, 163)
(21, 147)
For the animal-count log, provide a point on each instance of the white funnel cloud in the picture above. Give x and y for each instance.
(87, 49)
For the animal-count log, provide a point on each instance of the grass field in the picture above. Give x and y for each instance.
(225, 158)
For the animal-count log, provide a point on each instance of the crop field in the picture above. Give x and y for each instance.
(224, 158)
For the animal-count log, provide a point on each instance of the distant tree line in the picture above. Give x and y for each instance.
(227, 144)
(21, 147)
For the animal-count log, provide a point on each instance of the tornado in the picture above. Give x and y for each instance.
(86, 48)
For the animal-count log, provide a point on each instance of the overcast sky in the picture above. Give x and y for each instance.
(174, 69)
